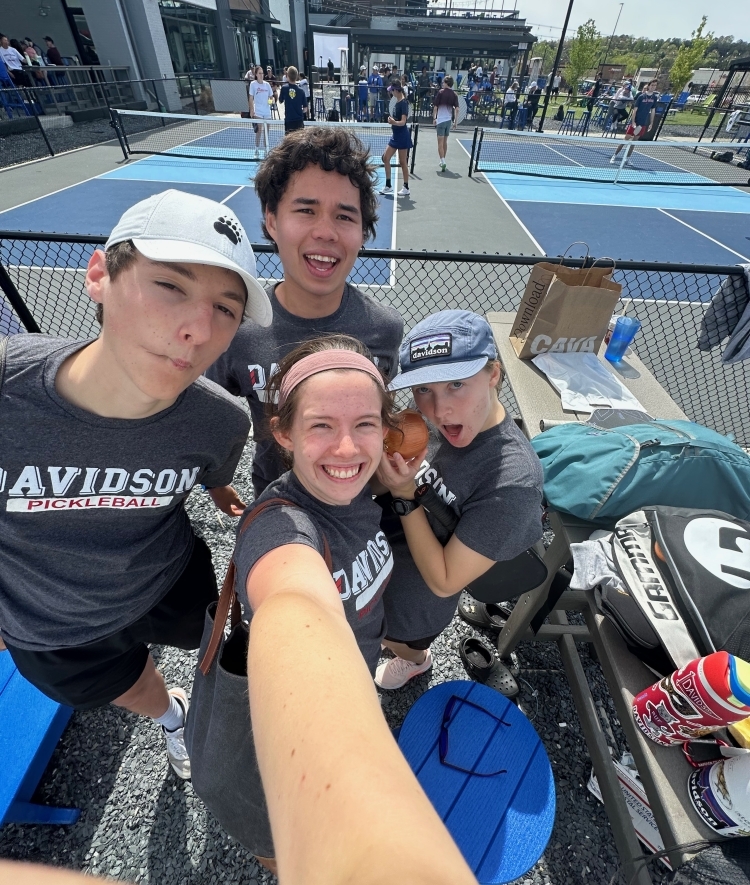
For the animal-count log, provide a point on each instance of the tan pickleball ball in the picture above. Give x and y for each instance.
(410, 437)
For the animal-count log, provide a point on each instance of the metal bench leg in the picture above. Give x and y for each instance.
(528, 605)
(626, 841)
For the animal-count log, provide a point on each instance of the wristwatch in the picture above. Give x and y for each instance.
(402, 507)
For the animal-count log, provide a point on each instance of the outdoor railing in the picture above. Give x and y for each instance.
(42, 277)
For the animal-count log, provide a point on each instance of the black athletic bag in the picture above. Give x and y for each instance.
(687, 574)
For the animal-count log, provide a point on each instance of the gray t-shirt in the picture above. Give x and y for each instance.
(494, 485)
(255, 352)
(362, 558)
(93, 530)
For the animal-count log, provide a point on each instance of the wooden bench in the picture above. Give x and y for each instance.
(30, 727)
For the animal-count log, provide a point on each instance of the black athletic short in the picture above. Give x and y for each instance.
(293, 125)
(91, 675)
(416, 644)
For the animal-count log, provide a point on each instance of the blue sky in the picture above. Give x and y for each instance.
(642, 18)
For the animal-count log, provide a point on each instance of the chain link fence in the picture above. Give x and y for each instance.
(43, 281)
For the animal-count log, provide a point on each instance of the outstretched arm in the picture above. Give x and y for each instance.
(327, 758)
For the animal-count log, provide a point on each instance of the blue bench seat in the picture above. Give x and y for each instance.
(30, 727)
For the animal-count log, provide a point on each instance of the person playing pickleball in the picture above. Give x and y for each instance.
(641, 120)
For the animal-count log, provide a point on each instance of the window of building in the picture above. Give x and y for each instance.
(191, 36)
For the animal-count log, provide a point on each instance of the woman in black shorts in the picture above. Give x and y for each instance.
(400, 141)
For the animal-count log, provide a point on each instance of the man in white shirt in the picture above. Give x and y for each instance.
(556, 80)
(13, 61)
(444, 112)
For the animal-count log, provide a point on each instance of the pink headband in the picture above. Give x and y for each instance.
(322, 362)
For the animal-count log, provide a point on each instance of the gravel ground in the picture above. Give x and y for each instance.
(140, 823)
(24, 146)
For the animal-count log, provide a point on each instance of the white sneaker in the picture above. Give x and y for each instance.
(176, 750)
(397, 672)
(386, 190)
(627, 163)
(404, 192)
(442, 167)
(613, 160)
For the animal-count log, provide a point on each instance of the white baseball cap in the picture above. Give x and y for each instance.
(177, 226)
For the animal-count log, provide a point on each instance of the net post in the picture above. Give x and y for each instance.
(415, 130)
(114, 122)
(473, 148)
(30, 101)
(479, 150)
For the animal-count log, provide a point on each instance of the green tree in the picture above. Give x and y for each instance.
(583, 53)
(689, 55)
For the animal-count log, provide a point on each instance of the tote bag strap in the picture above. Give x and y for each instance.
(3, 347)
(228, 598)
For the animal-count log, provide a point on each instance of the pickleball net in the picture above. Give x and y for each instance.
(583, 158)
(223, 137)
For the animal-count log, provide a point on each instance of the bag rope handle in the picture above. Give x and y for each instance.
(228, 598)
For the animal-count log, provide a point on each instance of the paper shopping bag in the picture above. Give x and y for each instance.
(564, 310)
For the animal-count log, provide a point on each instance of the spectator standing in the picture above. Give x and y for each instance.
(594, 92)
(294, 100)
(375, 83)
(53, 53)
(14, 62)
(424, 84)
(444, 113)
(259, 103)
(331, 71)
(641, 120)
(362, 94)
(532, 103)
(556, 81)
(510, 103)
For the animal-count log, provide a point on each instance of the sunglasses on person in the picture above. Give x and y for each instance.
(455, 703)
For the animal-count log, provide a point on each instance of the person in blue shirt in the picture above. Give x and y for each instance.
(641, 120)
(375, 82)
(293, 98)
(400, 141)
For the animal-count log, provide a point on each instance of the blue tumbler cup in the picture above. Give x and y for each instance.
(622, 337)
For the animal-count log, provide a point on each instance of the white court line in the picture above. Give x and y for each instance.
(560, 154)
(622, 205)
(241, 187)
(718, 242)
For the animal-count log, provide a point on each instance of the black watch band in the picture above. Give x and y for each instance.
(402, 507)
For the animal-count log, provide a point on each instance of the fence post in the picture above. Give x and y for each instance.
(31, 102)
(663, 119)
(16, 302)
(192, 95)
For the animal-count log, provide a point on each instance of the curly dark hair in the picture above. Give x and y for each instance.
(334, 150)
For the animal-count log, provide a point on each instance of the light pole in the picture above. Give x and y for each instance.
(554, 66)
(617, 21)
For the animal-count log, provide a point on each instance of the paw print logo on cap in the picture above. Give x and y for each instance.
(229, 228)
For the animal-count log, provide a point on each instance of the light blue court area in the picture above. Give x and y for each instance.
(93, 207)
(641, 222)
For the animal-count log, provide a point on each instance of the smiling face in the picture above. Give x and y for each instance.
(336, 437)
(317, 228)
(165, 323)
(462, 409)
